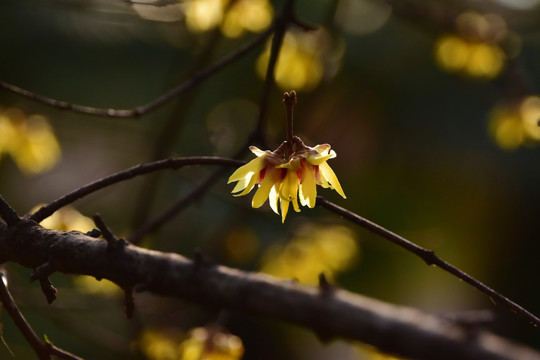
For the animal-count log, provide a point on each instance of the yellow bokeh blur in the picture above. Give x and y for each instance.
(203, 343)
(475, 59)
(241, 245)
(66, 219)
(367, 352)
(29, 140)
(514, 124)
(158, 344)
(300, 64)
(90, 285)
(314, 250)
(211, 343)
(474, 49)
(233, 17)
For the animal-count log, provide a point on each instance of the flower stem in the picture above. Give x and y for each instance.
(290, 100)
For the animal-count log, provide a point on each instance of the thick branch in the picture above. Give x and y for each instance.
(394, 329)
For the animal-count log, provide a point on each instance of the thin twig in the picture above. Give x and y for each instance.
(12, 309)
(177, 208)
(429, 257)
(172, 163)
(194, 80)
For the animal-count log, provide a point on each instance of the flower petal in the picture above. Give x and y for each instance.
(322, 149)
(308, 187)
(257, 151)
(254, 166)
(273, 199)
(264, 190)
(242, 183)
(284, 208)
(319, 159)
(331, 177)
(250, 186)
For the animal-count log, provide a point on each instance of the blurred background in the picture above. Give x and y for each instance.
(432, 108)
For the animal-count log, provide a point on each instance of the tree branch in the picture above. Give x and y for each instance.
(193, 81)
(429, 257)
(43, 350)
(337, 313)
(171, 163)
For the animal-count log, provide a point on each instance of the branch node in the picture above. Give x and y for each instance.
(113, 243)
(429, 257)
(43, 270)
(325, 287)
(201, 261)
(95, 233)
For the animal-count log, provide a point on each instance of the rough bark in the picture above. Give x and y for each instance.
(327, 311)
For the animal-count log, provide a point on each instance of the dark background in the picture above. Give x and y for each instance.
(414, 152)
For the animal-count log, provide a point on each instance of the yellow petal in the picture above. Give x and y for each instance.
(319, 159)
(294, 201)
(242, 183)
(308, 187)
(331, 177)
(254, 166)
(257, 151)
(322, 149)
(273, 199)
(249, 186)
(264, 190)
(284, 209)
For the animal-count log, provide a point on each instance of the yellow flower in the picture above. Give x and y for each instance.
(287, 178)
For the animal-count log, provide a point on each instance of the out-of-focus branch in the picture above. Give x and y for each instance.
(337, 313)
(429, 257)
(193, 81)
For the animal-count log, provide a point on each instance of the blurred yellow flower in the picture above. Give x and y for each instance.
(66, 219)
(301, 60)
(234, 17)
(474, 49)
(211, 343)
(28, 140)
(312, 251)
(287, 179)
(513, 124)
(160, 344)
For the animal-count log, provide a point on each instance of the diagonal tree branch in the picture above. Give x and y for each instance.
(171, 163)
(429, 257)
(193, 81)
(337, 313)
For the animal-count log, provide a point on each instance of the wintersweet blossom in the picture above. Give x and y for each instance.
(287, 178)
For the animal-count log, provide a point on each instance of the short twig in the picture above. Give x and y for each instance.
(42, 274)
(113, 243)
(429, 257)
(172, 163)
(7, 213)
